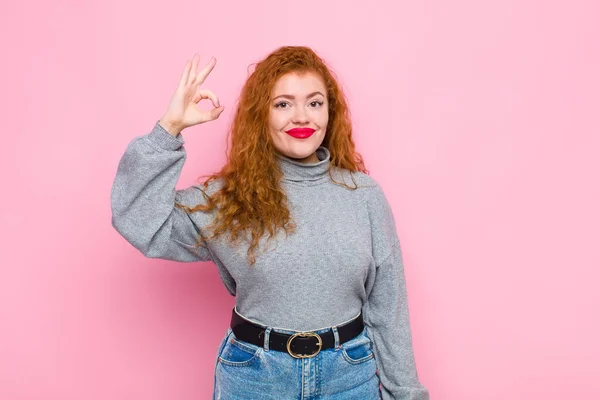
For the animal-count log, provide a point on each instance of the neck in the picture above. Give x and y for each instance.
(314, 168)
(313, 158)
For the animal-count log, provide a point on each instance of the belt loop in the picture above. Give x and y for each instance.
(336, 337)
(267, 334)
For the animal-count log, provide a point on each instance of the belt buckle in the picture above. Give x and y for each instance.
(304, 334)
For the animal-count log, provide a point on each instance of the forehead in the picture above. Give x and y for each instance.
(299, 84)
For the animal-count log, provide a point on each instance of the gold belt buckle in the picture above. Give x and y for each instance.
(304, 334)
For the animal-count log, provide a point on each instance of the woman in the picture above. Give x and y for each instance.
(300, 234)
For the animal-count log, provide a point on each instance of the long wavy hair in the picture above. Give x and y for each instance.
(250, 200)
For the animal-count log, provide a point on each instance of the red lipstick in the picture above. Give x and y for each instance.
(300, 133)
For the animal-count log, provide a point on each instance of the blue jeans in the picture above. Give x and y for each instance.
(249, 372)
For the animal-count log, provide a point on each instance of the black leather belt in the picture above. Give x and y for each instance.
(298, 345)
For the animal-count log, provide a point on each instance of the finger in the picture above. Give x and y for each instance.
(193, 69)
(205, 71)
(215, 112)
(197, 95)
(207, 94)
(185, 74)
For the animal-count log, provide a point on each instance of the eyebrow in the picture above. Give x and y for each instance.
(290, 97)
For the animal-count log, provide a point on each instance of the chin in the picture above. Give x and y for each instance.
(299, 152)
(297, 148)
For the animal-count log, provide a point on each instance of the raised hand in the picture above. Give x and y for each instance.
(183, 110)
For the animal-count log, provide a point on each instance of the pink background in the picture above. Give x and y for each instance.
(478, 118)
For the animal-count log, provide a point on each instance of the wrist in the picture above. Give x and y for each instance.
(172, 128)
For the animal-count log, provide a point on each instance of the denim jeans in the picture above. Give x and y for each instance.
(249, 372)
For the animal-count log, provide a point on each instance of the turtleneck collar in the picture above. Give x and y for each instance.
(295, 171)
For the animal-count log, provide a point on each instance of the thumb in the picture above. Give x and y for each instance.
(215, 112)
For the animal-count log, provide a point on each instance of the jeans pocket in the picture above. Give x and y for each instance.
(359, 349)
(237, 353)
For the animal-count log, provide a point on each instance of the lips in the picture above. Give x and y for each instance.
(300, 133)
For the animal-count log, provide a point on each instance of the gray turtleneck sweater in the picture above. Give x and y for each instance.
(344, 255)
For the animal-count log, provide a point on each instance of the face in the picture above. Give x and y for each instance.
(298, 115)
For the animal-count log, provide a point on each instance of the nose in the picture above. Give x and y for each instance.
(300, 116)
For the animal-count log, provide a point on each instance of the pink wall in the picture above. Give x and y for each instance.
(479, 119)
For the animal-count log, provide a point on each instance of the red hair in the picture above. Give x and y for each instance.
(250, 199)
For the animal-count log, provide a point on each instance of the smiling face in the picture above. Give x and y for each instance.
(298, 115)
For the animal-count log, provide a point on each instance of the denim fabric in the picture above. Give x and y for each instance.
(345, 372)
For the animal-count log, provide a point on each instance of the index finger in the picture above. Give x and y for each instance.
(205, 71)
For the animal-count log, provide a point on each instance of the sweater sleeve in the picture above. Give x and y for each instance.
(143, 199)
(386, 310)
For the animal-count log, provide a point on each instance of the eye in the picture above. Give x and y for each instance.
(281, 104)
(318, 103)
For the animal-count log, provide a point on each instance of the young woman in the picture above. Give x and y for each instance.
(300, 234)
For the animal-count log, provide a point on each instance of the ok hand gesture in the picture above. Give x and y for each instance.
(183, 111)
